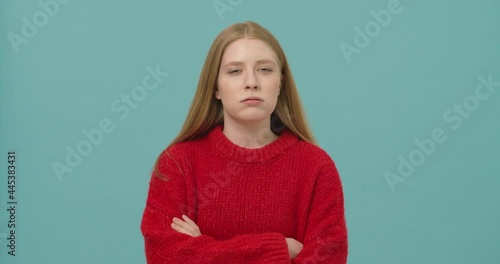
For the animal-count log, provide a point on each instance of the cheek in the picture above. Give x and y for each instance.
(221, 85)
(276, 90)
(228, 87)
(225, 95)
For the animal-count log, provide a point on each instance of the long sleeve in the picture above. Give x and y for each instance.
(326, 232)
(166, 199)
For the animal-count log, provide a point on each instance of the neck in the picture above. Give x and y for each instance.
(249, 136)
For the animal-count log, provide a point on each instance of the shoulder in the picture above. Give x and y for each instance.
(181, 152)
(315, 160)
(312, 152)
(321, 165)
(174, 155)
(186, 146)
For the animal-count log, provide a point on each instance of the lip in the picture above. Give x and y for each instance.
(252, 98)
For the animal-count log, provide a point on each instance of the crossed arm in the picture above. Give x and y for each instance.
(190, 228)
(169, 239)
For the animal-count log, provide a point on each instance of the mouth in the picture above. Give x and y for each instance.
(252, 98)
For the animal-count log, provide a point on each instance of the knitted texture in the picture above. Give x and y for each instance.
(245, 202)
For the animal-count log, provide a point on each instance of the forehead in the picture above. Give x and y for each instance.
(248, 49)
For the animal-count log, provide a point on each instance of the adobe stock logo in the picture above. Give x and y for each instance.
(95, 136)
(211, 190)
(427, 146)
(372, 29)
(327, 246)
(223, 6)
(30, 27)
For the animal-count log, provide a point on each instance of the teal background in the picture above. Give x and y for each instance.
(364, 113)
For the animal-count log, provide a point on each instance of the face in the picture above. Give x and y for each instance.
(249, 68)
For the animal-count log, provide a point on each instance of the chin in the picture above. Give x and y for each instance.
(249, 116)
(251, 119)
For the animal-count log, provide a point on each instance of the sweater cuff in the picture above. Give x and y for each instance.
(277, 249)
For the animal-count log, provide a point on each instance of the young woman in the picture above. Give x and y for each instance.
(244, 181)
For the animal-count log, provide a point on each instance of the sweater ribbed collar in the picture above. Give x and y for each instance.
(246, 155)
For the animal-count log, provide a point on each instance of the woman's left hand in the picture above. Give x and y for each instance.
(187, 226)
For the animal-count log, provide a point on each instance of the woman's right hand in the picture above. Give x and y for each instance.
(294, 247)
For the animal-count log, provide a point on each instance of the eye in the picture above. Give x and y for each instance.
(233, 71)
(266, 69)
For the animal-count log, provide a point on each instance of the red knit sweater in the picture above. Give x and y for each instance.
(246, 202)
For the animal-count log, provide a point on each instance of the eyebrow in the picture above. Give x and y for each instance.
(241, 63)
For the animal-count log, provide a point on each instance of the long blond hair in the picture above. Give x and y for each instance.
(206, 111)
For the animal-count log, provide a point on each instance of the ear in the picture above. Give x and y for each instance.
(281, 84)
(217, 95)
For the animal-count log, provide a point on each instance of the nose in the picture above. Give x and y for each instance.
(251, 81)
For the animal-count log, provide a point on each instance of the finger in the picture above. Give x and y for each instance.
(185, 225)
(180, 229)
(195, 227)
(191, 222)
(182, 223)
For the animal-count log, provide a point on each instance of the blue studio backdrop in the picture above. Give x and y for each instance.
(404, 95)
